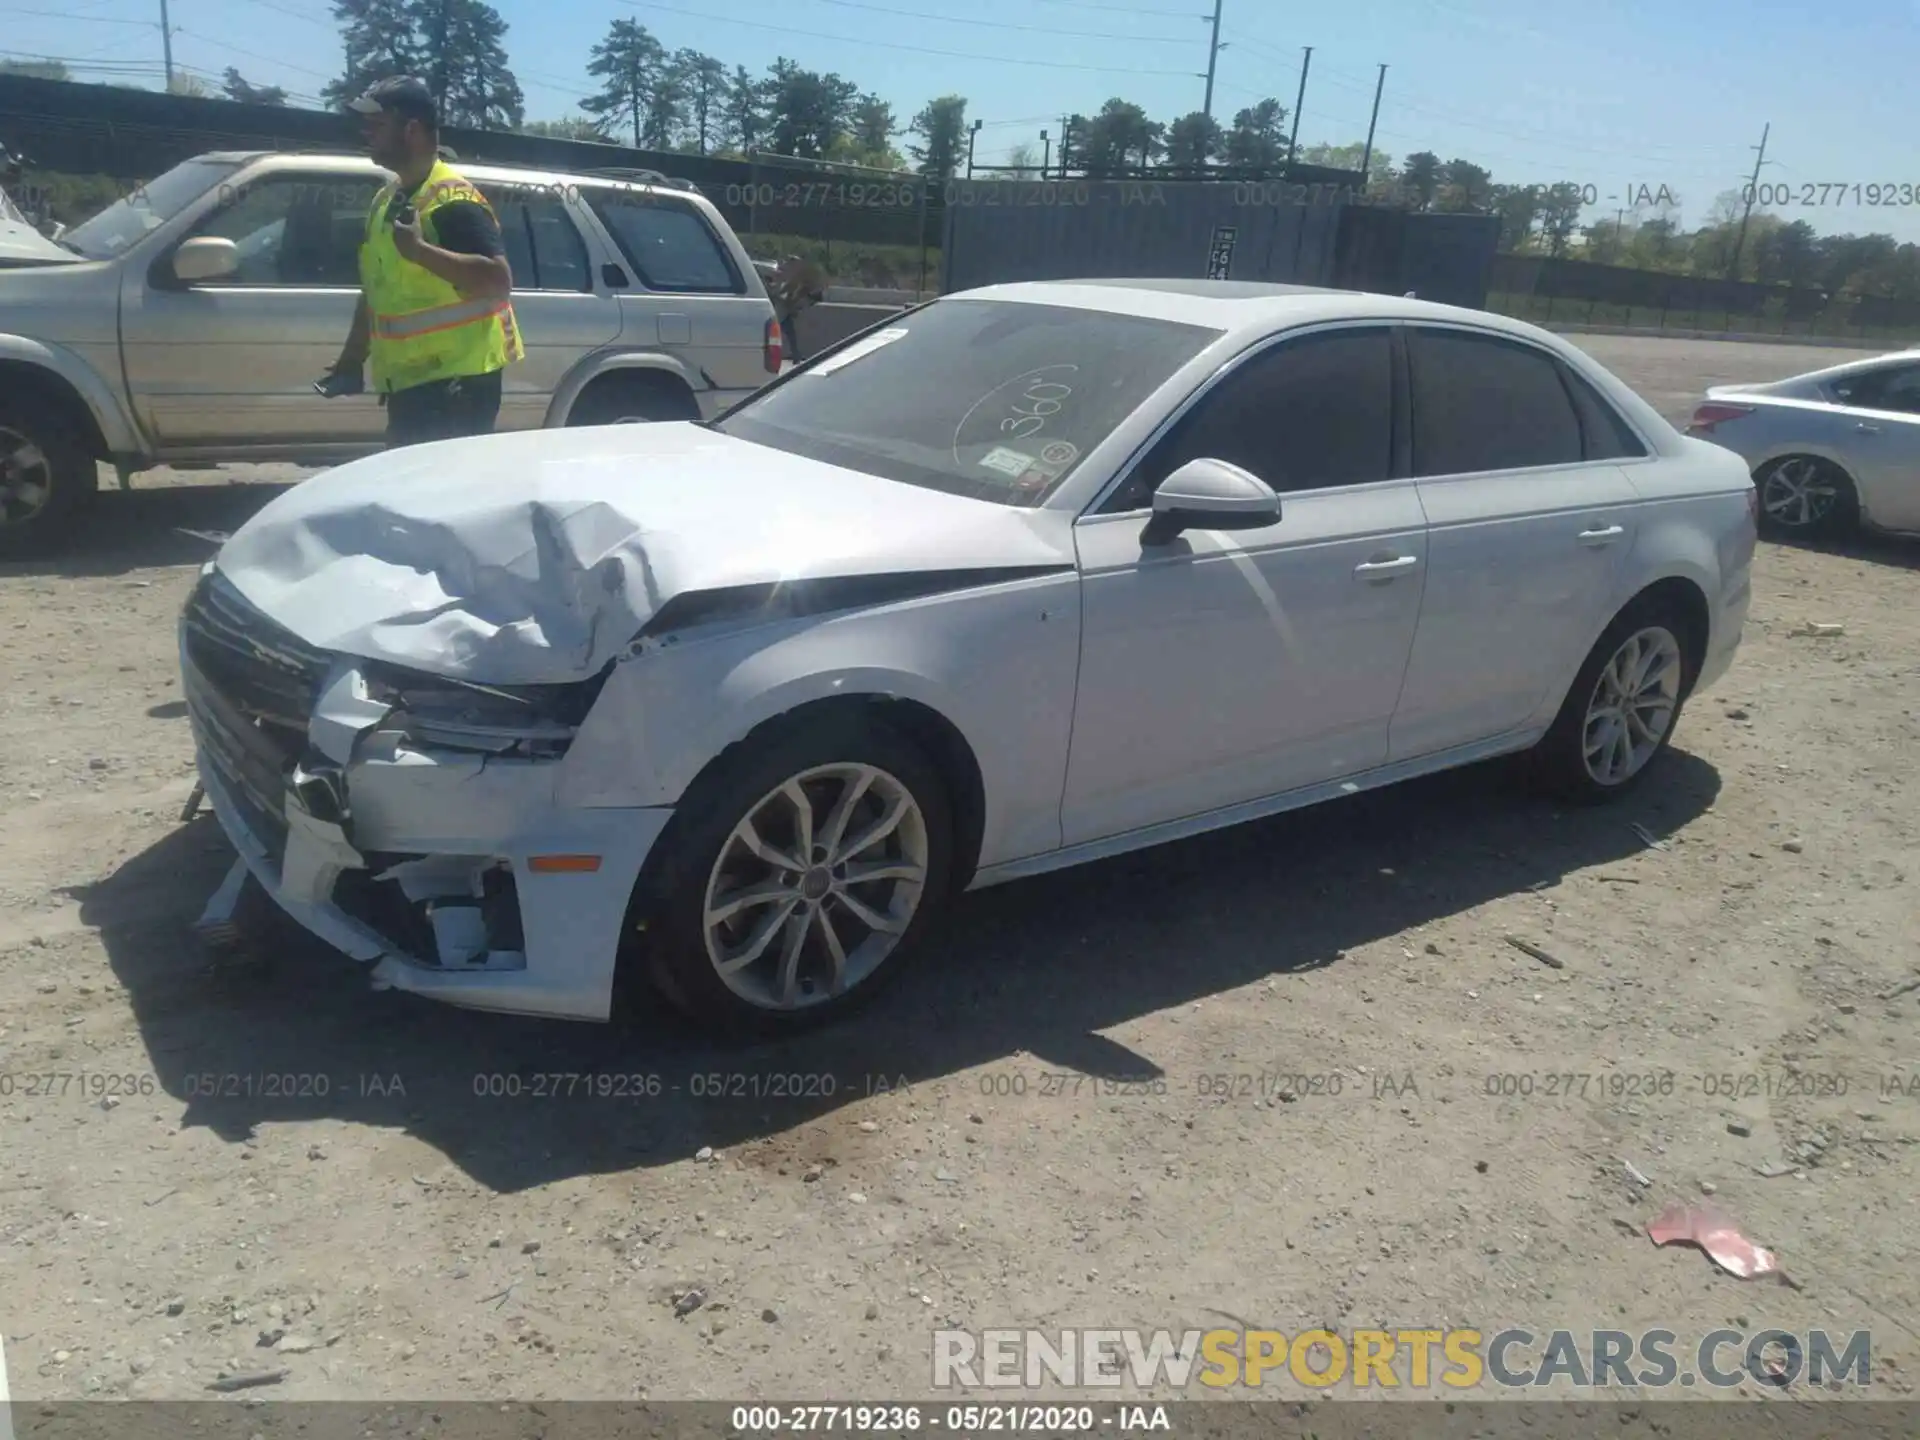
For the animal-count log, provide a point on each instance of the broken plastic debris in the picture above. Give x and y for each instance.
(1708, 1227)
(1818, 629)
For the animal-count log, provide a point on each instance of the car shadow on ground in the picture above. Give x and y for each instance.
(1873, 547)
(1034, 969)
(139, 529)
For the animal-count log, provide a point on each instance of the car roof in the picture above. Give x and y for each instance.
(1237, 305)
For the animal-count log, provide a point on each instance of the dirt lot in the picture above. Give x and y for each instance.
(427, 1240)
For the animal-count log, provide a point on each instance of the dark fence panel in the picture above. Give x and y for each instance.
(1445, 258)
(1007, 230)
(1580, 291)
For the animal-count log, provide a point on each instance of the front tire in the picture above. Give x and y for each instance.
(1805, 497)
(1622, 708)
(46, 479)
(797, 876)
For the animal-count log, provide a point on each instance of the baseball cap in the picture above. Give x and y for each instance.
(404, 95)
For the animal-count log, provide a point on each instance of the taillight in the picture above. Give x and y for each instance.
(1714, 412)
(773, 352)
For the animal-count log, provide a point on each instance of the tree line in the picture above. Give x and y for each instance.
(685, 100)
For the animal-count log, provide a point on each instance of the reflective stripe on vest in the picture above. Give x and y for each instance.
(439, 317)
(422, 328)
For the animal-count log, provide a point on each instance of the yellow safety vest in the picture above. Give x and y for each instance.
(422, 328)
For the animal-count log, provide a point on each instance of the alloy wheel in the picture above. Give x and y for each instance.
(26, 478)
(1798, 494)
(815, 887)
(1632, 706)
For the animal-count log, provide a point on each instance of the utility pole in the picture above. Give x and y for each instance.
(1213, 58)
(1366, 160)
(1294, 139)
(971, 135)
(166, 43)
(1066, 129)
(1046, 154)
(1753, 185)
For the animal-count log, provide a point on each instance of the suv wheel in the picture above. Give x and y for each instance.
(633, 400)
(45, 480)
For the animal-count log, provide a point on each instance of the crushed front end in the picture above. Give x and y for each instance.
(411, 821)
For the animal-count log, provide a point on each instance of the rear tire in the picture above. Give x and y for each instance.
(1806, 498)
(46, 480)
(634, 400)
(1622, 708)
(742, 875)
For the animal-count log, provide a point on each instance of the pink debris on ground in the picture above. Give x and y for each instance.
(1711, 1229)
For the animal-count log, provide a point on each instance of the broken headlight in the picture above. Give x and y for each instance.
(535, 722)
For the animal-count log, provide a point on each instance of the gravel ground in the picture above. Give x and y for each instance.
(354, 1190)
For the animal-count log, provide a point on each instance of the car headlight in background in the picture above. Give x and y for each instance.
(535, 722)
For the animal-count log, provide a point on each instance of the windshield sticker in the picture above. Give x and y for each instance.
(1008, 462)
(1059, 452)
(858, 351)
(1016, 409)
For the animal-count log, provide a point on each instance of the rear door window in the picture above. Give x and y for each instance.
(545, 250)
(1481, 402)
(1895, 388)
(1607, 434)
(668, 242)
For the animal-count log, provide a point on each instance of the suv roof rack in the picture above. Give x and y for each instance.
(645, 177)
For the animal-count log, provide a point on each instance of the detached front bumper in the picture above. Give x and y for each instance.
(452, 875)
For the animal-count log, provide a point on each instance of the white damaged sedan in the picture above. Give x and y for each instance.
(1034, 575)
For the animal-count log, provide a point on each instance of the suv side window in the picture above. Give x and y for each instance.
(1306, 414)
(294, 230)
(668, 243)
(1481, 402)
(544, 247)
(1895, 388)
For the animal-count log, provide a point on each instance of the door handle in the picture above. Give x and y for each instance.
(1385, 569)
(1867, 429)
(1604, 535)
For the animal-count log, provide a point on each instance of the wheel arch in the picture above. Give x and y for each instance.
(1686, 600)
(922, 724)
(649, 366)
(61, 381)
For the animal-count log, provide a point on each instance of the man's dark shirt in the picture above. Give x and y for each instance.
(463, 227)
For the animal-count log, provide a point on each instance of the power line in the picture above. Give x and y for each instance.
(82, 19)
(890, 45)
(252, 54)
(1117, 9)
(998, 25)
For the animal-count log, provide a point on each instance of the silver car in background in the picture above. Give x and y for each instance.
(1829, 450)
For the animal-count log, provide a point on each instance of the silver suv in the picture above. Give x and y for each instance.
(635, 298)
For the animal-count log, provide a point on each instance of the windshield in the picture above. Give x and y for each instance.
(986, 398)
(148, 207)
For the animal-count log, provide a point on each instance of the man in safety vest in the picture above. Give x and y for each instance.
(435, 315)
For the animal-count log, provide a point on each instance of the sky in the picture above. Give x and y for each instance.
(1620, 96)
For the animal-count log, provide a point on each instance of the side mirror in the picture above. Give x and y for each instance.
(206, 258)
(1210, 495)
